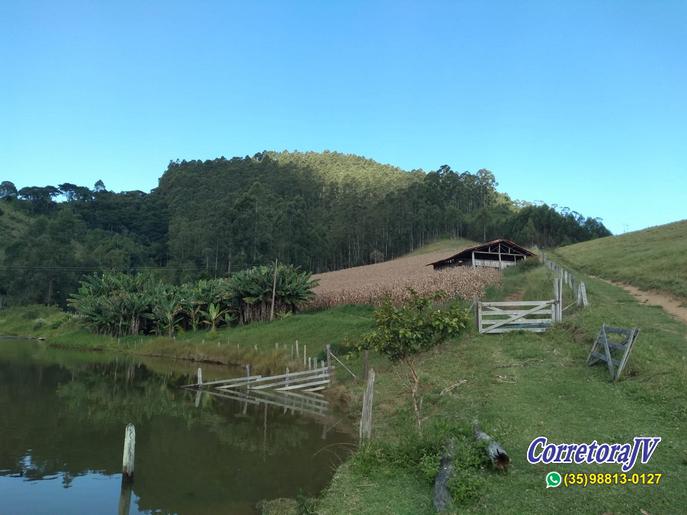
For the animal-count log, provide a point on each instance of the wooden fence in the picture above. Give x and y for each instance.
(305, 381)
(517, 315)
(569, 279)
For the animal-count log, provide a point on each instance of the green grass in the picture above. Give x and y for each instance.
(522, 385)
(255, 343)
(447, 244)
(654, 258)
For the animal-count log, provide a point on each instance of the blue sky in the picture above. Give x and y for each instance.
(580, 104)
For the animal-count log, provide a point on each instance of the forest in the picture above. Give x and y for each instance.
(208, 219)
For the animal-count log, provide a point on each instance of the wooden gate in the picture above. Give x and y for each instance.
(518, 315)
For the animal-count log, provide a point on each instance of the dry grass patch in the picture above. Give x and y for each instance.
(371, 283)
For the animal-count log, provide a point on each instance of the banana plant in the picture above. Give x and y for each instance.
(213, 316)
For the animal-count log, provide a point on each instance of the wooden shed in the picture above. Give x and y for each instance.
(493, 254)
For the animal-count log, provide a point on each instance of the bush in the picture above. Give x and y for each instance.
(416, 326)
(121, 304)
(421, 456)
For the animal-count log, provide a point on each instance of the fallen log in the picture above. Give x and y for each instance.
(442, 497)
(498, 456)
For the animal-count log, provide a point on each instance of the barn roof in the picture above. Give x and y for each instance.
(467, 253)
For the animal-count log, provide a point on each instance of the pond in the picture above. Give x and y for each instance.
(62, 433)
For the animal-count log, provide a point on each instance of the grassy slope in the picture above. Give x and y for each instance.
(522, 385)
(444, 245)
(654, 258)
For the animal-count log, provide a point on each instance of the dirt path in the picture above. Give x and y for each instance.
(669, 303)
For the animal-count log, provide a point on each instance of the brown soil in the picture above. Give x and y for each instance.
(669, 303)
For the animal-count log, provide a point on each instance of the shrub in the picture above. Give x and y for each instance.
(421, 456)
(416, 326)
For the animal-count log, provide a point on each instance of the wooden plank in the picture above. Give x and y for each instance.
(491, 314)
(524, 321)
(221, 381)
(602, 357)
(317, 399)
(619, 330)
(316, 402)
(607, 351)
(300, 386)
(517, 303)
(630, 342)
(291, 374)
(511, 329)
(316, 389)
(288, 381)
(513, 319)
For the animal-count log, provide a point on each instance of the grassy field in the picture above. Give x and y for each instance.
(522, 385)
(255, 343)
(654, 258)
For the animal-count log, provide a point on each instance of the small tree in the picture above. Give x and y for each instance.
(416, 326)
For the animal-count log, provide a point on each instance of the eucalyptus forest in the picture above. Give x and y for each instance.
(209, 219)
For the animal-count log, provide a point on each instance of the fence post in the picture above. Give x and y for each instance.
(477, 321)
(366, 418)
(555, 296)
(366, 364)
(329, 357)
(129, 453)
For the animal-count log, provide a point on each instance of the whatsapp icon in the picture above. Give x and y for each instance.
(553, 480)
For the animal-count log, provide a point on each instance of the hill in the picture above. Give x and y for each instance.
(319, 211)
(651, 259)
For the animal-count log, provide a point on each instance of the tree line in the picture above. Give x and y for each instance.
(208, 219)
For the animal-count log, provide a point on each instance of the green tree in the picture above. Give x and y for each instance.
(402, 332)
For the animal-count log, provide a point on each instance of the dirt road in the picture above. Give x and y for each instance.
(669, 303)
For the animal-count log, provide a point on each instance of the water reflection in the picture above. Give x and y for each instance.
(64, 422)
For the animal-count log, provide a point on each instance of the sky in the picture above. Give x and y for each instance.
(578, 104)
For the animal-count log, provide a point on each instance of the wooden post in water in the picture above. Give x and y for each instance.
(124, 499)
(366, 417)
(199, 375)
(129, 453)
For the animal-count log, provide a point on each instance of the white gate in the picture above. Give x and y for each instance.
(518, 315)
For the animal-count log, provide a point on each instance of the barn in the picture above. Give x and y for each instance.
(493, 254)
